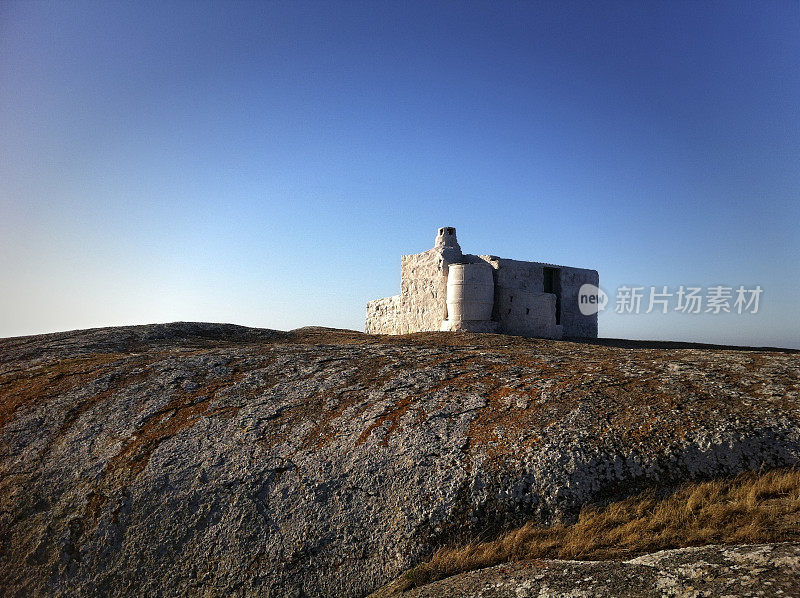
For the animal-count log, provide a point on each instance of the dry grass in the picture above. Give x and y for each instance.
(751, 508)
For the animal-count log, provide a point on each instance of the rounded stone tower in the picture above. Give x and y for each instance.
(470, 292)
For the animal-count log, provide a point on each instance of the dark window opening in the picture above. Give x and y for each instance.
(548, 280)
(527, 311)
(551, 283)
(511, 299)
(509, 310)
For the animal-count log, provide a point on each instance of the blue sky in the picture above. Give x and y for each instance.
(267, 163)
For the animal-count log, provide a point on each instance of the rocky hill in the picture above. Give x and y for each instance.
(221, 460)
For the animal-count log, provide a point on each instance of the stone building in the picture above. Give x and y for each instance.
(445, 289)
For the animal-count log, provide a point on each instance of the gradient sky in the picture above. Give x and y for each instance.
(268, 163)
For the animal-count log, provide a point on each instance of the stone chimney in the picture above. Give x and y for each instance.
(446, 237)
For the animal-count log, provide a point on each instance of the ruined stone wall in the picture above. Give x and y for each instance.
(383, 314)
(421, 305)
(520, 304)
(423, 287)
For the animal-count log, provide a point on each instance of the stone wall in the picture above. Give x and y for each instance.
(526, 314)
(522, 307)
(421, 305)
(574, 323)
(383, 315)
(423, 287)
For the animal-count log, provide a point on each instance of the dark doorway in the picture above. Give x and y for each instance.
(552, 284)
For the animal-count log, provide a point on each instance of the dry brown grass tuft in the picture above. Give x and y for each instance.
(751, 508)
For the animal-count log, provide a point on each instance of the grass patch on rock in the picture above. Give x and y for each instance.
(750, 508)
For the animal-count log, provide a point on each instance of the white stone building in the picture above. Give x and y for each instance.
(444, 289)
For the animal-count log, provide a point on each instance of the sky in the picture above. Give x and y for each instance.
(267, 163)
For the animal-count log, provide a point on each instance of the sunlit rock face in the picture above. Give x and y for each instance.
(217, 460)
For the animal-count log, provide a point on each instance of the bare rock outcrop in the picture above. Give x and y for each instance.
(730, 571)
(221, 460)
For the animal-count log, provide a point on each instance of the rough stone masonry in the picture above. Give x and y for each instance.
(445, 289)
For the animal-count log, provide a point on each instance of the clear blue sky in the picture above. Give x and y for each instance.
(267, 163)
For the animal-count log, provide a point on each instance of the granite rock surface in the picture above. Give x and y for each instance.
(769, 570)
(221, 460)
